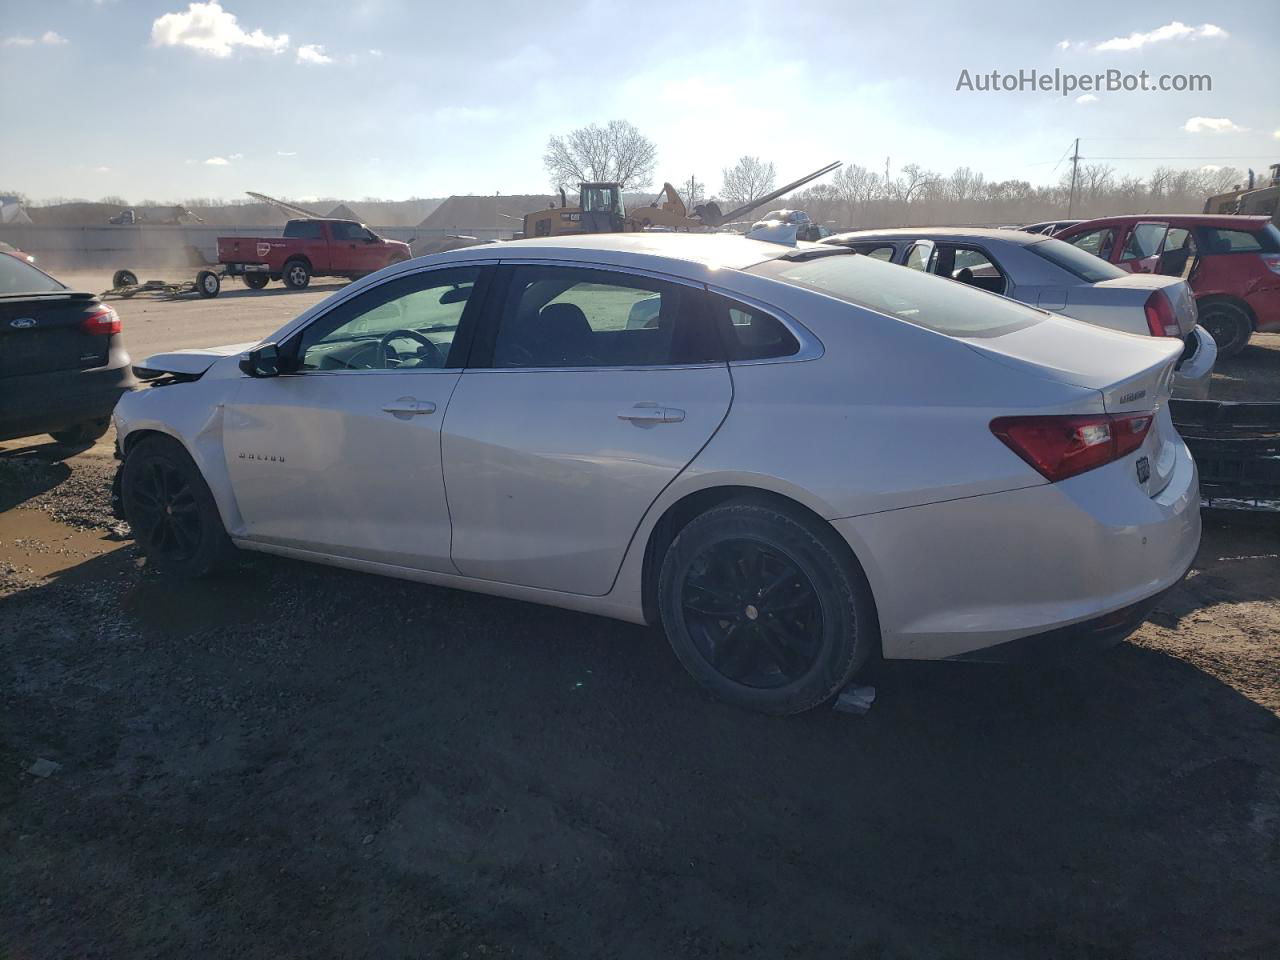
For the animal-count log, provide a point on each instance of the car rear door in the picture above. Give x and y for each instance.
(590, 389)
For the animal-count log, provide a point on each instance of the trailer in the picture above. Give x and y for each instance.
(125, 285)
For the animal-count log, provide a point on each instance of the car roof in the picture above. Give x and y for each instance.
(711, 251)
(1224, 221)
(1004, 234)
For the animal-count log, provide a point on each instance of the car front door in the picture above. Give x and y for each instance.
(589, 390)
(342, 454)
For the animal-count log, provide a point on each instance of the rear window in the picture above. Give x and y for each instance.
(17, 276)
(919, 298)
(1263, 240)
(1075, 261)
(302, 230)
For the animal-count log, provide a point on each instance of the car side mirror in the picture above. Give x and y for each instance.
(262, 361)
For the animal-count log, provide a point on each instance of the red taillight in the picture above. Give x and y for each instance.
(1061, 447)
(1160, 317)
(102, 321)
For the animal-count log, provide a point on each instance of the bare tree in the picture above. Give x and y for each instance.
(747, 180)
(616, 152)
(695, 192)
(857, 187)
(1223, 179)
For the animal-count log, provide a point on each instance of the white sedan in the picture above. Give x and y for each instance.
(795, 459)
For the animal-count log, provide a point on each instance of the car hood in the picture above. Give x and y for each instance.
(1175, 288)
(188, 363)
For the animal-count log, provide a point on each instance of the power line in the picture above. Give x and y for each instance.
(1253, 156)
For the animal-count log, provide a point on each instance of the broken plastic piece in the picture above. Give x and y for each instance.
(855, 700)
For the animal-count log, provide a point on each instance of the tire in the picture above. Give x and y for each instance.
(1229, 325)
(82, 434)
(208, 284)
(296, 275)
(171, 511)
(785, 644)
(256, 281)
(123, 278)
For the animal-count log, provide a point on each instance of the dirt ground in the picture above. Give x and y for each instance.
(299, 761)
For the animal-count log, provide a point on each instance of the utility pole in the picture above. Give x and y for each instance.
(1075, 163)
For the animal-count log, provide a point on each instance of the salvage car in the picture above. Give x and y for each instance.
(1052, 275)
(63, 364)
(810, 460)
(1231, 262)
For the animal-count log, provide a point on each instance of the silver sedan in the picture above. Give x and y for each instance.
(1053, 275)
(792, 458)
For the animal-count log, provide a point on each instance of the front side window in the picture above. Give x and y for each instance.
(974, 267)
(1145, 240)
(407, 323)
(920, 256)
(579, 317)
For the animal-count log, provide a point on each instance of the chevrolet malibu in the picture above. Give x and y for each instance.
(795, 459)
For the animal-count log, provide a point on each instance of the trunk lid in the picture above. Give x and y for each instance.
(1143, 285)
(1134, 374)
(41, 333)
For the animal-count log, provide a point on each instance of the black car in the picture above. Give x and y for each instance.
(63, 364)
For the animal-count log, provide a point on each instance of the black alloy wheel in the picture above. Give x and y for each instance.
(752, 614)
(163, 512)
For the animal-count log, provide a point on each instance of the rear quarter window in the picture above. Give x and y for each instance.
(1263, 240)
(912, 296)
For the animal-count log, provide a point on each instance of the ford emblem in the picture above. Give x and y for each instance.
(23, 323)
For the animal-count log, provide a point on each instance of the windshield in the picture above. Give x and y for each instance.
(17, 276)
(1075, 261)
(935, 303)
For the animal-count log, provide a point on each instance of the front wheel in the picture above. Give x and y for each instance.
(255, 281)
(765, 608)
(171, 511)
(1229, 325)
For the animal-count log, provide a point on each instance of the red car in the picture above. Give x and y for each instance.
(309, 248)
(1232, 264)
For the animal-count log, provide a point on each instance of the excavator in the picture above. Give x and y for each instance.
(1250, 200)
(600, 210)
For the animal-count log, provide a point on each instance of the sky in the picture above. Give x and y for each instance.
(168, 100)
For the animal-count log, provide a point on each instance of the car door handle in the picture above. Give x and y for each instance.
(407, 407)
(652, 413)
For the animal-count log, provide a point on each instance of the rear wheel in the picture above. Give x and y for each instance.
(296, 275)
(208, 284)
(255, 281)
(82, 433)
(123, 278)
(1229, 325)
(171, 511)
(764, 608)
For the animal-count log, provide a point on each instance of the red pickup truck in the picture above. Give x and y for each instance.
(309, 248)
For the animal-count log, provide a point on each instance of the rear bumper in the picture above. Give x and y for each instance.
(954, 578)
(43, 402)
(1195, 373)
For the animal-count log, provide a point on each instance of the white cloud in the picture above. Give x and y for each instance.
(101, 169)
(286, 153)
(1087, 98)
(49, 38)
(1212, 125)
(18, 41)
(52, 38)
(1276, 135)
(1064, 44)
(1210, 168)
(375, 52)
(313, 53)
(217, 162)
(1177, 30)
(207, 28)
(236, 156)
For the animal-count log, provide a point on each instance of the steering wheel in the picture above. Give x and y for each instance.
(384, 348)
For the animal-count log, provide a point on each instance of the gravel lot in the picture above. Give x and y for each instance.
(299, 761)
